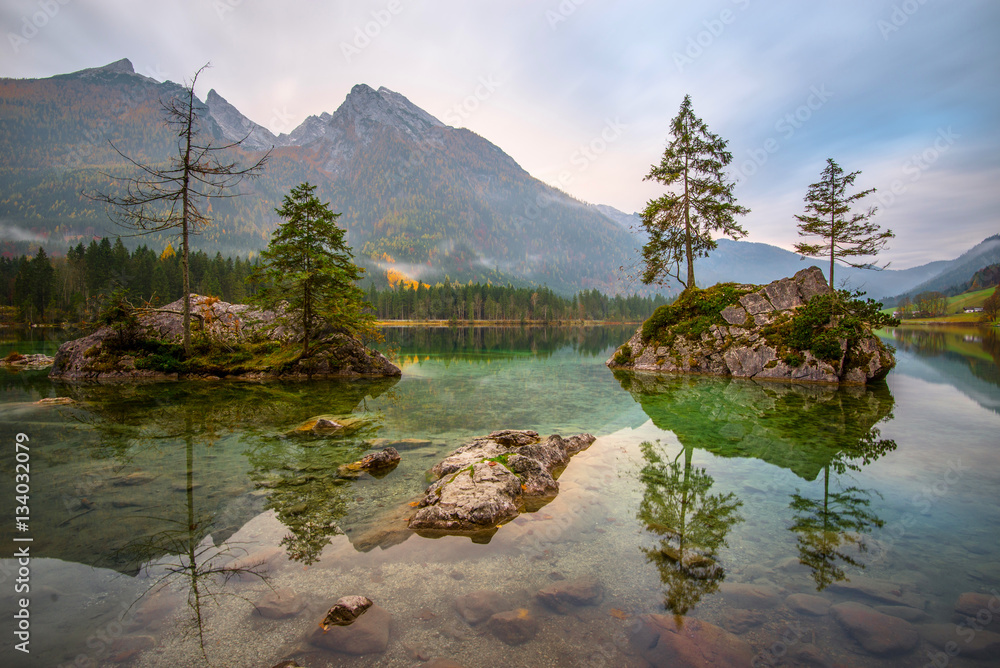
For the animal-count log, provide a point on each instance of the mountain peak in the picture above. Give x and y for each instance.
(123, 66)
(365, 105)
(109, 71)
(235, 126)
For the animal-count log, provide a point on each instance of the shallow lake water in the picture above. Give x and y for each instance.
(160, 514)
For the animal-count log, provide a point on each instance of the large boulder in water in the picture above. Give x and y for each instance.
(780, 331)
(492, 479)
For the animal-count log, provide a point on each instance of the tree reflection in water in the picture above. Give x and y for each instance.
(807, 429)
(191, 556)
(691, 524)
(829, 527)
(300, 476)
(188, 544)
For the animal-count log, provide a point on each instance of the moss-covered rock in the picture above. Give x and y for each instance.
(230, 340)
(796, 329)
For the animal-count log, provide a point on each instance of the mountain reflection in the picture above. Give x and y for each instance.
(472, 343)
(807, 429)
(966, 357)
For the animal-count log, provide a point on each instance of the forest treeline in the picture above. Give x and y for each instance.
(44, 289)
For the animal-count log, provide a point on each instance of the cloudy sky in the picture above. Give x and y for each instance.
(581, 92)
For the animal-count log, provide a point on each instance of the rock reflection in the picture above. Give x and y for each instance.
(802, 428)
(690, 523)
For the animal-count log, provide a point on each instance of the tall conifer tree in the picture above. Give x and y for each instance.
(308, 265)
(828, 216)
(681, 222)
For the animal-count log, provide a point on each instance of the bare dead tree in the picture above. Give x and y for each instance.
(176, 196)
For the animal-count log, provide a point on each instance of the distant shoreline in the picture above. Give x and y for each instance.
(942, 323)
(503, 323)
(390, 323)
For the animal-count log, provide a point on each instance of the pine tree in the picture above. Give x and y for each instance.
(680, 224)
(828, 216)
(308, 265)
(43, 278)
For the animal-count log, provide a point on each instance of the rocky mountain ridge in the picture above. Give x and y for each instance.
(419, 199)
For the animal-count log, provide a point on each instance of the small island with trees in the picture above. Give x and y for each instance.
(306, 322)
(794, 329)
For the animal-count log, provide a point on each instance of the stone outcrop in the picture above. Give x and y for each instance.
(492, 479)
(334, 355)
(30, 361)
(740, 344)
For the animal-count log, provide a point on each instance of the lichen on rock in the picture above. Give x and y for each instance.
(793, 329)
(494, 478)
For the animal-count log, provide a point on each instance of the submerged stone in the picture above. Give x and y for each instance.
(875, 632)
(749, 596)
(367, 634)
(962, 639)
(586, 590)
(513, 627)
(808, 604)
(478, 606)
(279, 604)
(666, 642)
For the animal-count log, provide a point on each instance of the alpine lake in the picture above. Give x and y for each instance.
(164, 517)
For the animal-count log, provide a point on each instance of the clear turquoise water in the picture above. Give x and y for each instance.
(139, 495)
